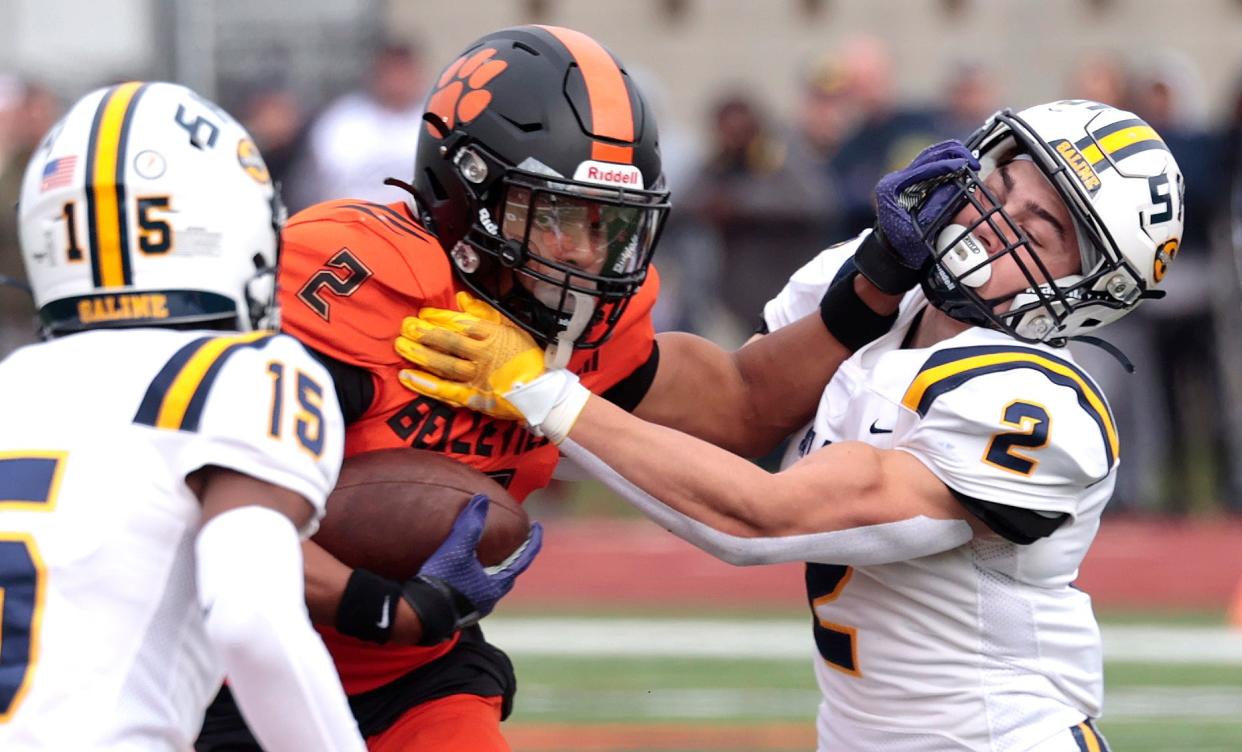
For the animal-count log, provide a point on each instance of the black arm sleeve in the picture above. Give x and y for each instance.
(354, 388)
(1021, 526)
(629, 391)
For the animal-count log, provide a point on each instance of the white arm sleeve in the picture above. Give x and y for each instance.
(250, 587)
(861, 546)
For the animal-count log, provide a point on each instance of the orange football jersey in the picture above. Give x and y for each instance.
(350, 271)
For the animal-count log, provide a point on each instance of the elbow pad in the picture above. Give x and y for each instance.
(250, 586)
(861, 546)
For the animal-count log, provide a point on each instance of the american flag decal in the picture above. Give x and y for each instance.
(58, 173)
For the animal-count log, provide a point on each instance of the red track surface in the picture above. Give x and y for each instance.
(625, 563)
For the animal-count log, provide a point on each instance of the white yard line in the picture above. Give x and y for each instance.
(785, 639)
(1147, 704)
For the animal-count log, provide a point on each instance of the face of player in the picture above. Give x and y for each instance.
(1037, 209)
(590, 237)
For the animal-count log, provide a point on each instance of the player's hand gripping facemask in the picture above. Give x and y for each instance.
(893, 256)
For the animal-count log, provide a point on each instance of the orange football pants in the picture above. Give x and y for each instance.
(448, 724)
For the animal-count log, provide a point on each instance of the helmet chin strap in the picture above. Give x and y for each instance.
(558, 353)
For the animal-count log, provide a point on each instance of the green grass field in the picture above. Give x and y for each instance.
(594, 684)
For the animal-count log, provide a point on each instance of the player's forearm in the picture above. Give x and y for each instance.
(326, 580)
(746, 401)
(704, 482)
(785, 373)
(851, 519)
(698, 389)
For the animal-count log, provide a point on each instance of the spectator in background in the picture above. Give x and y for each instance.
(1137, 401)
(27, 111)
(1168, 93)
(970, 97)
(275, 120)
(1169, 408)
(1227, 275)
(366, 135)
(10, 99)
(886, 137)
(766, 210)
(825, 116)
(1101, 78)
(688, 258)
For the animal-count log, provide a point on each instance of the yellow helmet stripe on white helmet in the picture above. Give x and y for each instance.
(1119, 141)
(105, 185)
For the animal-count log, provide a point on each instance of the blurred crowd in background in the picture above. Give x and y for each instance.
(755, 197)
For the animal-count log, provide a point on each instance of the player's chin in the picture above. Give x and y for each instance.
(551, 293)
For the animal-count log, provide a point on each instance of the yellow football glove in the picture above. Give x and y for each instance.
(468, 358)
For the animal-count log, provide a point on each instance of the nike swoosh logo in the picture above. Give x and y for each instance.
(873, 429)
(383, 621)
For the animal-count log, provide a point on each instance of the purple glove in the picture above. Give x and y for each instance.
(453, 589)
(922, 190)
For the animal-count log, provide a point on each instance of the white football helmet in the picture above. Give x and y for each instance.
(148, 205)
(1124, 191)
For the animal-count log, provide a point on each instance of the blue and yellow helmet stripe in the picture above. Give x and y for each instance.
(176, 396)
(107, 220)
(948, 369)
(1116, 141)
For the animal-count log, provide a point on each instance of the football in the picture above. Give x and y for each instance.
(392, 508)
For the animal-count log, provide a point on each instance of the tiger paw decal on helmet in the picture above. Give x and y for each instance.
(459, 95)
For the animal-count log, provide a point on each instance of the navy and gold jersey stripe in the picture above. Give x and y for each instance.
(1088, 739)
(106, 153)
(1116, 141)
(948, 369)
(176, 396)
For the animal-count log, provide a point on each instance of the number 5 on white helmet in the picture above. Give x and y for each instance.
(167, 218)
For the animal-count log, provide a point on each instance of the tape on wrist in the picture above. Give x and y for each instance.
(368, 607)
(850, 320)
(433, 601)
(551, 403)
(564, 414)
(877, 261)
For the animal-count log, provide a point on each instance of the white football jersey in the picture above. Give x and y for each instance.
(103, 639)
(987, 646)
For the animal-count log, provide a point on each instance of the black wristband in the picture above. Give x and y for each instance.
(439, 607)
(368, 607)
(876, 261)
(848, 318)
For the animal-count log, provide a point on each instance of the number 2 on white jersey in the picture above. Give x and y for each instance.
(28, 483)
(837, 643)
(1033, 424)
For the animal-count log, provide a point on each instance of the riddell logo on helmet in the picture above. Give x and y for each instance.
(1078, 163)
(607, 173)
